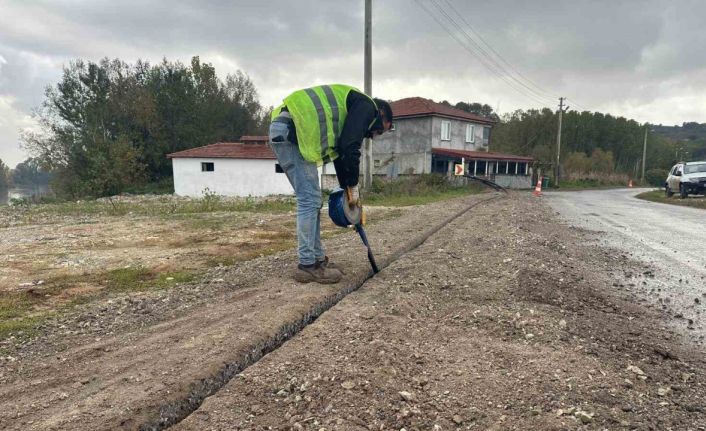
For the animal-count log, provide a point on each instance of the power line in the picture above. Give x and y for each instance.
(490, 58)
(482, 60)
(519, 76)
(498, 68)
(578, 105)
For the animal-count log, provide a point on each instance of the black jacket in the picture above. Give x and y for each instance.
(361, 112)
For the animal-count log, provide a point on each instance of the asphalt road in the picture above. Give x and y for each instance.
(670, 239)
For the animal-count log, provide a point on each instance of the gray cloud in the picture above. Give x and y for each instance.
(641, 59)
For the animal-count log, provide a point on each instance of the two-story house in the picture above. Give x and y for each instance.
(431, 137)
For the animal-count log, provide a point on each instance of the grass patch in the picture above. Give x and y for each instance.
(13, 305)
(128, 279)
(416, 190)
(22, 328)
(16, 316)
(154, 206)
(659, 196)
(205, 223)
(418, 199)
(138, 278)
(162, 187)
(248, 251)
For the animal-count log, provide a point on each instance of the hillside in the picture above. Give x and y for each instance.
(690, 139)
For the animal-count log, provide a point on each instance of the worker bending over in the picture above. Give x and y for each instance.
(314, 126)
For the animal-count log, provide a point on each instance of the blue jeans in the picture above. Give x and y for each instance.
(304, 177)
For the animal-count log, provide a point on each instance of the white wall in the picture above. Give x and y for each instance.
(231, 177)
(514, 181)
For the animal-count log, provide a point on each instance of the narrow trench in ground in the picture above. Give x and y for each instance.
(175, 411)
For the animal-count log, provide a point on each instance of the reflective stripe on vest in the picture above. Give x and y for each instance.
(334, 107)
(323, 124)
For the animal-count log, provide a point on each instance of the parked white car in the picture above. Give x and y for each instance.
(686, 178)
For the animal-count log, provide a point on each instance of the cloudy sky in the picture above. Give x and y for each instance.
(641, 59)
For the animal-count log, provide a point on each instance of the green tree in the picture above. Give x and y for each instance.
(577, 163)
(30, 172)
(481, 109)
(109, 125)
(4, 176)
(619, 140)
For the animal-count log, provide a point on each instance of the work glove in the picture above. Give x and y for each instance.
(353, 195)
(354, 209)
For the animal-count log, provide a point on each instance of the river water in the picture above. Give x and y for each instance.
(21, 192)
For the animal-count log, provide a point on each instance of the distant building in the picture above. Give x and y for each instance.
(427, 137)
(431, 137)
(254, 139)
(229, 169)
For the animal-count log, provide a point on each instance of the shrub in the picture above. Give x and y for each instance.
(656, 177)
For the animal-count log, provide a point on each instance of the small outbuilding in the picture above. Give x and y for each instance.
(228, 169)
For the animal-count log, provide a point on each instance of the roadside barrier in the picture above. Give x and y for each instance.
(538, 188)
(630, 183)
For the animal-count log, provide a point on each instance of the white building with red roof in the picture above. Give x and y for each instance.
(228, 169)
(432, 137)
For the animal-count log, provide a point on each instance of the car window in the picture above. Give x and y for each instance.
(692, 169)
(674, 170)
(678, 170)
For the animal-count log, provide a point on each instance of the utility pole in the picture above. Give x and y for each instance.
(558, 142)
(368, 78)
(644, 154)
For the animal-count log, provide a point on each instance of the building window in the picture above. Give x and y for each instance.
(376, 163)
(522, 169)
(445, 131)
(486, 135)
(207, 167)
(470, 130)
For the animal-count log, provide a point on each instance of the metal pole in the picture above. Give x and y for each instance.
(368, 76)
(558, 143)
(644, 154)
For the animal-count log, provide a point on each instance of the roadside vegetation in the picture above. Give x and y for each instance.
(594, 181)
(659, 196)
(417, 190)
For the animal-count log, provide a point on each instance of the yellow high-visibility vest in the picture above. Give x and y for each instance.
(319, 114)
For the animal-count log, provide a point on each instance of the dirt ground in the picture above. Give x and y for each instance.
(114, 363)
(55, 258)
(36, 250)
(503, 319)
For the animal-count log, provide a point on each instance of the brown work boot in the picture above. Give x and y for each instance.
(317, 273)
(326, 263)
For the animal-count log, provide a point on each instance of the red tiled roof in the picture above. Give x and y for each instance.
(480, 155)
(227, 150)
(254, 138)
(421, 107)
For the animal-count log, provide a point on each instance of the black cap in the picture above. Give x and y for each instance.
(385, 107)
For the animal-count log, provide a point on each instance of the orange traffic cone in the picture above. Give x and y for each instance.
(630, 183)
(538, 189)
